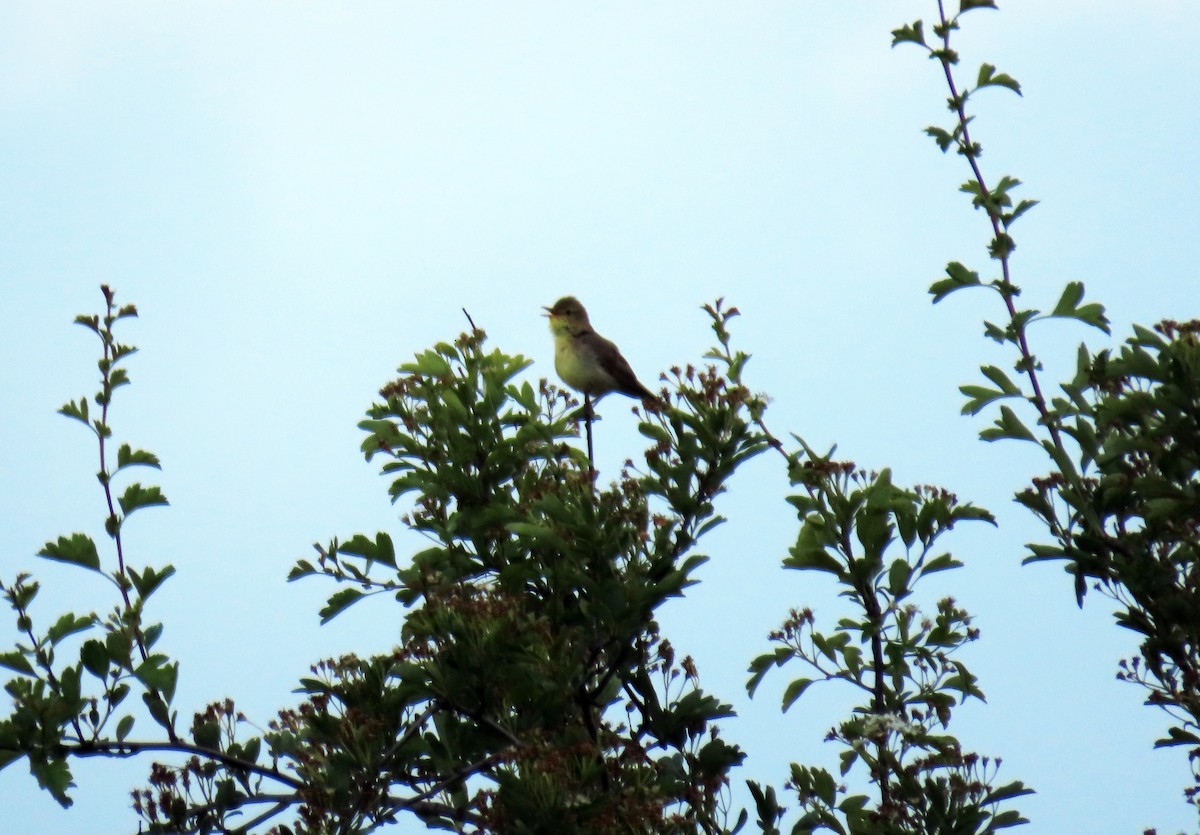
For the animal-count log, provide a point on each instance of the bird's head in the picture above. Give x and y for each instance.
(567, 316)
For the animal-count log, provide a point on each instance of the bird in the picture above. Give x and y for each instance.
(585, 360)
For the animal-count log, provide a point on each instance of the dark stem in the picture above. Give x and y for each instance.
(128, 749)
(114, 524)
(871, 604)
(588, 415)
(967, 147)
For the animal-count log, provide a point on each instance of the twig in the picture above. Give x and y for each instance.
(470, 320)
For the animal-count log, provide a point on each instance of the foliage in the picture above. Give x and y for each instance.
(853, 527)
(532, 691)
(77, 707)
(1120, 502)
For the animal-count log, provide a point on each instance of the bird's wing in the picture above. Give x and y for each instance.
(625, 381)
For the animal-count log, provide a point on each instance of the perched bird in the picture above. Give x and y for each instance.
(585, 360)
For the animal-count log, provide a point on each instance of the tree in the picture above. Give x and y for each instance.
(532, 690)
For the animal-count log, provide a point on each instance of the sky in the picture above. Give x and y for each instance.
(299, 197)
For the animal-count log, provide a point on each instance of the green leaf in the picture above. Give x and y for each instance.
(809, 554)
(339, 602)
(124, 727)
(149, 580)
(1177, 736)
(1007, 792)
(92, 322)
(1021, 208)
(78, 550)
(94, 656)
(909, 33)
(978, 397)
(957, 277)
(68, 624)
(1008, 425)
(898, 577)
(943, 562)
(965, 6)
(944, 138)
(988, 77)
(1071, 296)
(158, 708)
(76, 410)
(381, 550)
(760, 665)
(1093, 314)
(538, 533)
(995, 332)
(1001, 379)
(157, 674)
(129, 457)
(17, 662)
(55, 777)
(136, 496)
(794, 691)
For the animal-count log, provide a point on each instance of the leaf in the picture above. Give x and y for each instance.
(158, 708)
(957, 277)
(124, 727)
(129, 457)
(76, 410)
(94, 656)
(898, 577)
(1093, 314)
(943, 562)
(136, 496)
(988, 77)
(1007, 792)
(339, 602)
(1021, 208)
(68, 624)
(92, 322)
(941, 136)
(979, 397)
(381, 550)
(794, 691)
(1071, 296)
(157, 674)
(1001, 379)
(809, 553)
(995, 332)
(760, 665)
(1177, 736)
(17, 662)
(965, 6)
(909, 33)
(55, 777)
(1008, 425)
(149, 580)
(78, 550)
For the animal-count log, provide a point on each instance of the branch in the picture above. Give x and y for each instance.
(129, 749)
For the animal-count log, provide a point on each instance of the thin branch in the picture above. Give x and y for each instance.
(130, 748)
(966, 146)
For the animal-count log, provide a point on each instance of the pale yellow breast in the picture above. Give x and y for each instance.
(577, 366)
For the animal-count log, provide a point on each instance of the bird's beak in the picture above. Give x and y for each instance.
(548, 312)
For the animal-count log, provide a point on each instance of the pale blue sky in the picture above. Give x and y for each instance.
(299, 197)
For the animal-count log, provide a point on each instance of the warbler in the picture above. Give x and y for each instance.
(585, 360)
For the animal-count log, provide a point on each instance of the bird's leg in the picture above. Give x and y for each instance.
(588, 414)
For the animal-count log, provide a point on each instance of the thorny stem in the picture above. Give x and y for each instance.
(128, 748)
(871, 604)
(1027, 363)
(967, 148)
(102, 433)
